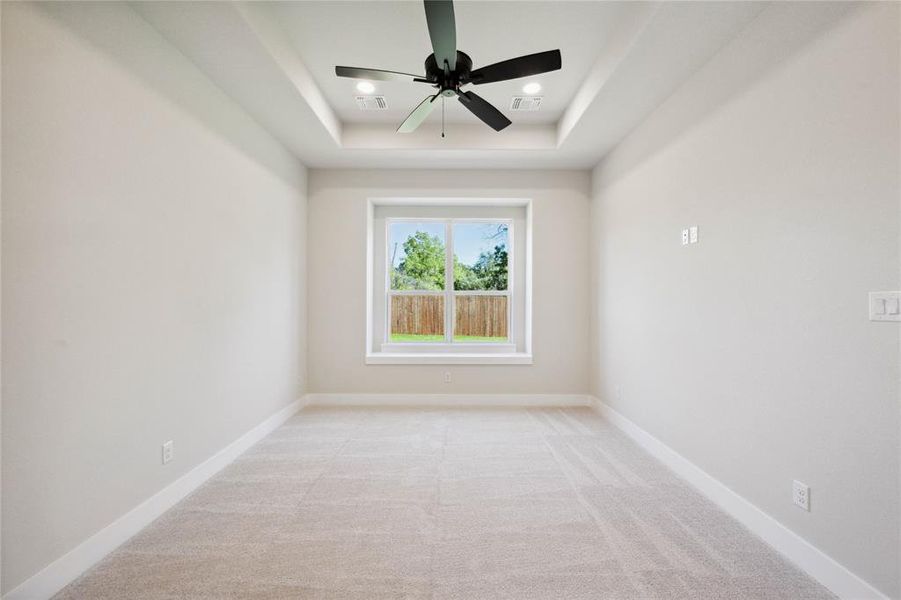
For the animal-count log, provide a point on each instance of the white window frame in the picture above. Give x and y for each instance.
(449, 293)
(448, 351)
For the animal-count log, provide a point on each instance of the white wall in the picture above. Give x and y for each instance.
(751, 353)
(152, 259)
(337, 275)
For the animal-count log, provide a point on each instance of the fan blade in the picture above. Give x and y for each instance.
(376, 74)
(532, 64)
(483, 110)
(418, 115)
(439, 14)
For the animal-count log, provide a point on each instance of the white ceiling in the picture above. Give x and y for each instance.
(277, 59)
(393, 35)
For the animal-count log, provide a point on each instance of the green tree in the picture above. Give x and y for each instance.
(488, 273)
(464, 277)
(422, 267)
(491, 268)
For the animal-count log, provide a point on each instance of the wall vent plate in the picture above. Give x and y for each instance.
(525, 103)
(371, 102)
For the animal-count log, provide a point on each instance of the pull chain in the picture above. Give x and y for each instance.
(442, 114)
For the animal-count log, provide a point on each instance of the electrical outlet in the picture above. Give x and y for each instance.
(447, 377)
(685, 237)
(168, 452)
(693, 234)
(801, 495)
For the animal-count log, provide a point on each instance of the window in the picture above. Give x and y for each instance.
(448, 282)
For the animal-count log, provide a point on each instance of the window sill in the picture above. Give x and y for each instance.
(443, 349)
(422, 358)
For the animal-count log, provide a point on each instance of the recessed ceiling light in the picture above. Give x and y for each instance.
(365, 87)
(531, 88)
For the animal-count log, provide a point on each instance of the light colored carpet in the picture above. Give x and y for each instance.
(445, 503)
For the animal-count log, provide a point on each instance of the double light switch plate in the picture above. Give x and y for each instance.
(885, 306)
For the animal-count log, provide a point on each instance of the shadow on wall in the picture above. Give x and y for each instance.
(121, 34)
(419, 182)
(776, 34)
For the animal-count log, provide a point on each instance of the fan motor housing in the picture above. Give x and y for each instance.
(448, 82)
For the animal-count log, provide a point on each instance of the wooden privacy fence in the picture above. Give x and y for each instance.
(417, 315)
(476, 315)
(481, 315)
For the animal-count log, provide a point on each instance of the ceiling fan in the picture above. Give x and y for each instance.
(448, 70)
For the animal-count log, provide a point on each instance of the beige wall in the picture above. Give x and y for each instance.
(337, 275)
(153, 260)
(751, 353)
(153, 256)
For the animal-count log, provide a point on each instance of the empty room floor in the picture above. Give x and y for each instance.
(445, 503)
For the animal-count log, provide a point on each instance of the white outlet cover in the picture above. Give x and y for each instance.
(801, 495)
(168, 451)
(684, 237)
(885, 306)
(693, 234)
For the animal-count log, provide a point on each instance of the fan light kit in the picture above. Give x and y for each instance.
(365, 87)
(448, 70)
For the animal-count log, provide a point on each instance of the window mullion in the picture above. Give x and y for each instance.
(448, 282)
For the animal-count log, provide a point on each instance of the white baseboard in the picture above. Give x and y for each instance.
(812, 560)
(66, 569)
(460, 400)
(816, 563)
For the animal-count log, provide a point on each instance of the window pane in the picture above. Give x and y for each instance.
(480, 318)
(416, 252)
(480, 256)
(417, 318)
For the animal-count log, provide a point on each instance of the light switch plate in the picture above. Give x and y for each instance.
(685, 237)
(693, 234)
(885, 306)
